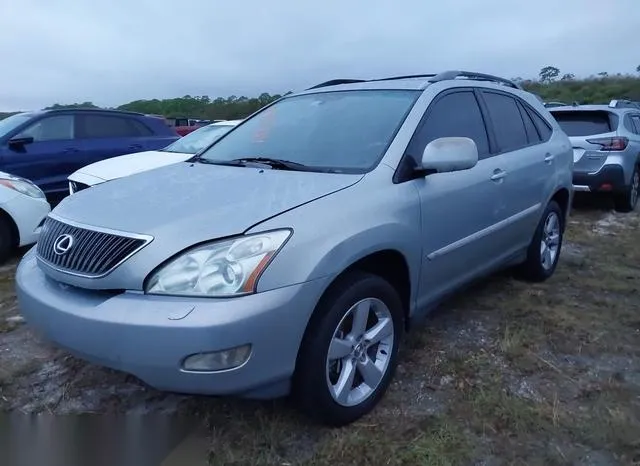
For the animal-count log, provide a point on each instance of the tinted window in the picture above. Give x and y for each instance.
(635, 119)
(543, 127)
(345, 131)
(53, 128)
(107, 126)
(454, 115)
(532, 132)
(507, 122)
(583, 122)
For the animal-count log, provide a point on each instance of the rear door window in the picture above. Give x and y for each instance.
(583, 122)
(108, 126)
(529, 126)
(454, 115)
(506, 120)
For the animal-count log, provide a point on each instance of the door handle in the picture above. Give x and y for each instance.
(498, 175)
(548, 158)
(135, 146)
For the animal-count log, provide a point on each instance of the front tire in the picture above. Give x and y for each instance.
(544, 249)
(627, 201)
(349, 353)
(7, 239)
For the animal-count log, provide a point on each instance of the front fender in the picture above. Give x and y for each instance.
(333, 232)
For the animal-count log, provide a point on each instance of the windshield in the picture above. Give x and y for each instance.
(12, 122)
(346, 131)
(198, 139)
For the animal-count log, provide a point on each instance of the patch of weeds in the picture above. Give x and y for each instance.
(610, 420)
(440, 443)
(495, 410)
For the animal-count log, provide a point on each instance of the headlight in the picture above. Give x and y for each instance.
(218, 269)
(22, 186)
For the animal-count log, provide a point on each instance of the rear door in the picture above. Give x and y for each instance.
(49, 158)
(527, 164)
(459, 208)
(104, 136)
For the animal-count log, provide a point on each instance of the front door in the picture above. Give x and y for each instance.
(459, 209)
(47, 160)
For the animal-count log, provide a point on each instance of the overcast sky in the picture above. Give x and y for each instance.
(113, 51)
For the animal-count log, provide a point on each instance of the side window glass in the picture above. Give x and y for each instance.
(106, 126)
(454, 115)
(54, 128)
(544, 130)
(507, 122)
(636, 123)
(530, 128)
(140, 128)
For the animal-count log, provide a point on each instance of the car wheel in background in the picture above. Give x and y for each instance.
(349, 352)
(544, 250)
(7, 238)
(627, 201)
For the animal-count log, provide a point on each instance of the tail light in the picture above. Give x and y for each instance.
(616, 143)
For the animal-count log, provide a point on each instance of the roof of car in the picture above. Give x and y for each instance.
(409, 82)
(225, 123)
(590, 107)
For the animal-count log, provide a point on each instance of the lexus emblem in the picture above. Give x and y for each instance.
(62, 244)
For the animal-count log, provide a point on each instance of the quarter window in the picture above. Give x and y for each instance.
(53, 128)
(635, 119)
(544, 130)
(529, 126)
(454, 115)
(508, 125)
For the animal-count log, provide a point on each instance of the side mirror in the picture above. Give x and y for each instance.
(19, 142)
(453, 154)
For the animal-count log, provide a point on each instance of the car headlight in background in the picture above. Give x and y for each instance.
(218, 269)
(22, 186)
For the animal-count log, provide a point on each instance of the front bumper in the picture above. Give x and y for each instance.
(610, 178)
(150, 336)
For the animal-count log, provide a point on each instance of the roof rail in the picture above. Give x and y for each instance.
(89, 109)
(555, 104)
(623, 103)
(335, 82)
(452, 74)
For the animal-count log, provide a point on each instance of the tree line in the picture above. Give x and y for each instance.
(551, 84)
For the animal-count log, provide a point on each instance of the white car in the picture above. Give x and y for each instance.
(124, 165)
(23, 208)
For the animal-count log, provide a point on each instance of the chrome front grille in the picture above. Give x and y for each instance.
(85, 251)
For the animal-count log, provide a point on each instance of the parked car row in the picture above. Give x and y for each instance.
(292, 254)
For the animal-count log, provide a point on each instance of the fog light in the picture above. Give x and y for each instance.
(218, 360)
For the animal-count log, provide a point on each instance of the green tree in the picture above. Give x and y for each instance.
(548, 74)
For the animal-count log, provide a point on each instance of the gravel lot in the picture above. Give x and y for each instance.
(506, 373)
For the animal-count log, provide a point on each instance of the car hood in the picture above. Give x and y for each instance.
(129, 164)
(186, 203)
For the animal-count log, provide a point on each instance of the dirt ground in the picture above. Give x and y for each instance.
(507, 373)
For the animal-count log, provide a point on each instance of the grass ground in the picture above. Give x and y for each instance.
(506, 373)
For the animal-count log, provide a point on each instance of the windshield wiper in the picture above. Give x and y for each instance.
(276, 164)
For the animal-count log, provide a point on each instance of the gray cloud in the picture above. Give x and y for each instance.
(114, 51)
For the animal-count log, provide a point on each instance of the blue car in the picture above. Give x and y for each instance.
(47, 146)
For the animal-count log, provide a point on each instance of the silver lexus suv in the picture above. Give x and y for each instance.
(606, 149)
(292, 254)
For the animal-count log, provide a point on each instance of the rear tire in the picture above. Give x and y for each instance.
(544, 250)
(627, 200)
(349, 353)
(7, 239)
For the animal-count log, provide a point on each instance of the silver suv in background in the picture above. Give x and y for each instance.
(606, 148)
(292, 254)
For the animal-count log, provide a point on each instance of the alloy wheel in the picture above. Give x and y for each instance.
(550, 242)
(360, 352)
